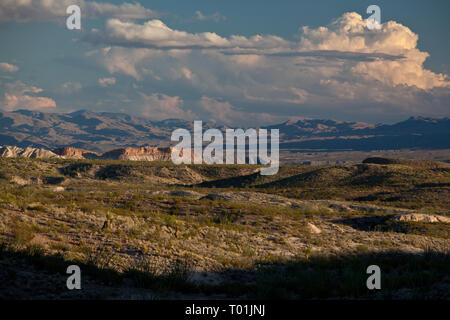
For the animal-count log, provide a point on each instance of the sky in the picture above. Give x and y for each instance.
(240, 63)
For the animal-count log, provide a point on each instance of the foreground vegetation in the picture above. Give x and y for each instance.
(155, 230)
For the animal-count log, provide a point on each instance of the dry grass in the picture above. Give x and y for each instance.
(119, 229)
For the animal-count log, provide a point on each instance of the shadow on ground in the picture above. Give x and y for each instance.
(387, 223)
(30, 274)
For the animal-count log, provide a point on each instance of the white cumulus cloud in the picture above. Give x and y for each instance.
(160, 107)
(20, 96)
(104, 82)
(156, 34)
(51, 10)
(340, 68)
(350, 34)
(225, 113)
(7, 67)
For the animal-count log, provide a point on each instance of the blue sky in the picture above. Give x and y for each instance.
(235, 62)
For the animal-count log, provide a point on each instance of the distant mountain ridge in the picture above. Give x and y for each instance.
(413, 133)
(104, 131)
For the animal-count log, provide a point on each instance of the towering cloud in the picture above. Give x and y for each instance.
(350, 34)
(342, 66)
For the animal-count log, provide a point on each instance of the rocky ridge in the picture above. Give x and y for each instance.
(29, 152)
(134, 154)
(140, 154)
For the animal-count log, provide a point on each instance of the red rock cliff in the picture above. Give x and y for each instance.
(75, 153)
(140, 154)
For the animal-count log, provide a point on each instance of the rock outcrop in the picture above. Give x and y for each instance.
(136, 154)
(12, 152)
(76, 153)
(140, 154)
(432, 218)
(312, 228)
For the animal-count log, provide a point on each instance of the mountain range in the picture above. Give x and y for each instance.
(103, 131)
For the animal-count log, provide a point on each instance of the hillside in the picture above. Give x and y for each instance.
(373, 171)
(82, 129)
(365, 175)
(158, 231)
(426, 164)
